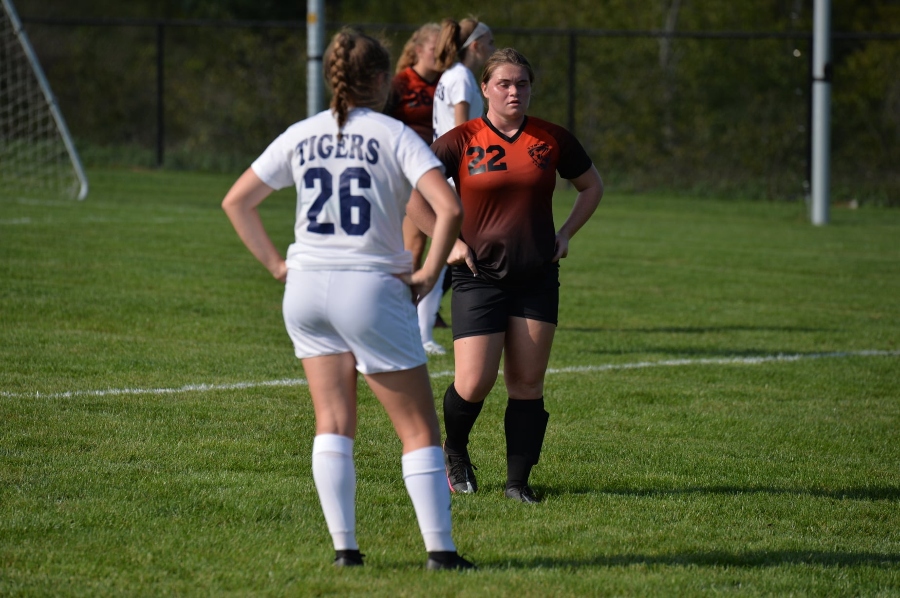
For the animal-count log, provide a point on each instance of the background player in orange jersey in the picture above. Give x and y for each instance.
(417, 74)
(410, 102)
(506, 264)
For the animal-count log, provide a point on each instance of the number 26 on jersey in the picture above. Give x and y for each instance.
(355, 210)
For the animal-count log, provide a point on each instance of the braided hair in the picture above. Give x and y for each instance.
(354, 63)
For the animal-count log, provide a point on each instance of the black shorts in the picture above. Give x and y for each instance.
(479, 306)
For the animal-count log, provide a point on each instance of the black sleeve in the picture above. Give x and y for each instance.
(573, 160)
(448, 149)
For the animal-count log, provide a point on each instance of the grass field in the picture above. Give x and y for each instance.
(724, 396)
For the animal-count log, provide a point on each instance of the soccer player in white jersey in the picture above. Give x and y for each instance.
(349, 285)
(462, 48)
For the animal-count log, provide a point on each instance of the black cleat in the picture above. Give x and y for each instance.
(460, 473)
(447, 561)
(522, 494)
(348, 558)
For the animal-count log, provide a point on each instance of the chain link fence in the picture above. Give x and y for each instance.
(718, 113)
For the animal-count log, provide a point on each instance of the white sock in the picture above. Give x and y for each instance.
(426, 482)
(428, 308)
(335, 478)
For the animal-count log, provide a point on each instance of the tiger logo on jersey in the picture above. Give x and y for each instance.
(540, 154)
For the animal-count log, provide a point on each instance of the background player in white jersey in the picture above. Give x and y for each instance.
(462, 48)
(347, 302)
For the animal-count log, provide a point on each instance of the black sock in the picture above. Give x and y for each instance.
(525, 423)
(459, 418)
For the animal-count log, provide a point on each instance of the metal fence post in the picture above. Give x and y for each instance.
(160, 105)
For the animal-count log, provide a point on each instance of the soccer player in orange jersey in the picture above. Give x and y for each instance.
(417, 74)
(506, 264)
(410, 102)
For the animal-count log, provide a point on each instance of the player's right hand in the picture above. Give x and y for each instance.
(462, 254)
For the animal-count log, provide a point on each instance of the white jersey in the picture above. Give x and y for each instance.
(456, 85)
(351, 194)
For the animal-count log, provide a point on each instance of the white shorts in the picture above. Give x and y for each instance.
(369, 314)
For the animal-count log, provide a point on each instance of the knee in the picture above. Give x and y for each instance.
(475, 390)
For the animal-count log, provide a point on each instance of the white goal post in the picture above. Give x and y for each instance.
(36, 149)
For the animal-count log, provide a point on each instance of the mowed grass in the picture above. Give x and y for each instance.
(142, 451)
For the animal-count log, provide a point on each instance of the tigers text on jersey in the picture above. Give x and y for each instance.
(411, 100)
(506, 186)
(352, 193)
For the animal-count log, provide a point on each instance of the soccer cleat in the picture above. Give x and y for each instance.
(432, 348)
(447, 561)
(522, 494)
(348, 558)
(460, 473)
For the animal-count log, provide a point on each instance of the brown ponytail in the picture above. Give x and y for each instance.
(453, 35)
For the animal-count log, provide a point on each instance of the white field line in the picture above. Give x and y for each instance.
(448, 373)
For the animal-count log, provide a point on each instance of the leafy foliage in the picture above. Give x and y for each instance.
(661, 109)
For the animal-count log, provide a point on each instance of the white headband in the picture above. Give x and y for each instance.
(480, 29)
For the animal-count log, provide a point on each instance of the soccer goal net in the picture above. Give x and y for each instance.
(36, 151)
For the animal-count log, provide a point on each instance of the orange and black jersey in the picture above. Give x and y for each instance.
(506, 186)
(411, 102)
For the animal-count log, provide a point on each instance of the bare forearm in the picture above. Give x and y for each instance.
(445, 233)
(590, 192)
(441, 215)
(240, 205)
(421, 213)
(249, 228)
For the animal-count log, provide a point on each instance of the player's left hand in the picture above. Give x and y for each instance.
(562, 247)
(419, 284)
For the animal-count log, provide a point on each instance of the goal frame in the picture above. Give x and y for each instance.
(48, 96)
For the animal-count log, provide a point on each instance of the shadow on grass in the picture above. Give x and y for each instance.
(752, 559)
(872, 493)
(696, 352)
(693, 329)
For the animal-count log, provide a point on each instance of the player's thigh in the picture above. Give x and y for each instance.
(478, 307)
(527, 354)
